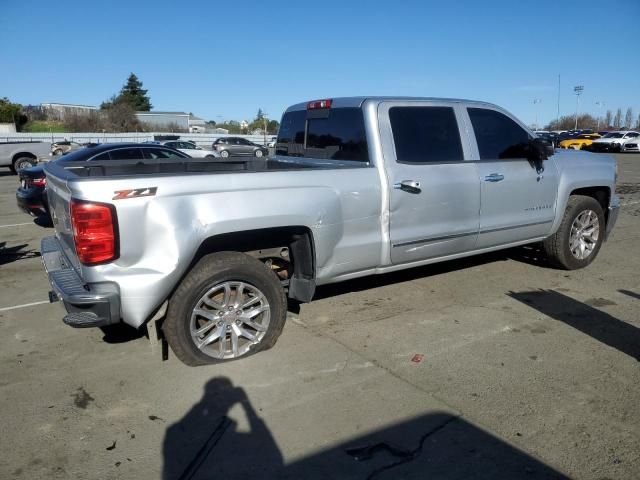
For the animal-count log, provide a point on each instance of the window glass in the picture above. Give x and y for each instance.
(425, 134)
(171, 144)
(155, 153)
(497, 135)
(632, 135)
(101, 157)
(126, 154)
(339, 136)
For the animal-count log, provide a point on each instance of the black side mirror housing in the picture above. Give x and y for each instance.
(539, 149)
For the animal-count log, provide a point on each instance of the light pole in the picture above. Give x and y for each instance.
(578, 91)
(536, 101)
(601, 105)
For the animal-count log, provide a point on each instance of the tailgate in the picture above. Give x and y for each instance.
(59, 197)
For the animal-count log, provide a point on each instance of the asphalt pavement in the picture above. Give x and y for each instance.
(495, 366)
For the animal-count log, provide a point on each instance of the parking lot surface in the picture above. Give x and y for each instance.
(495, 366)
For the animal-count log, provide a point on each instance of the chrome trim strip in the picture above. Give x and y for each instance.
(460, 235)
(435, 239)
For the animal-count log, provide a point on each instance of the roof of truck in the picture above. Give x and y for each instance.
(342, 102)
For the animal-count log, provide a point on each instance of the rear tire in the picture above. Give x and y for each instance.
(579, 238)
(207, 301)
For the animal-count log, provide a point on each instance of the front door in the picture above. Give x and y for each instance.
(518, 196)
(434, 198)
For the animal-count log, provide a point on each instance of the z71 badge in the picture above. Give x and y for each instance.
(134, 193)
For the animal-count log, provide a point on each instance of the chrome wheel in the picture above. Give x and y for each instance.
(228, 319)
(585, 231)
(258, 153)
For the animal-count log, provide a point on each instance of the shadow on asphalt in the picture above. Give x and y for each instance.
(207, 444)
(591, 321)
(43, 221)
(15, 253)
(121, 333)
(630, 294)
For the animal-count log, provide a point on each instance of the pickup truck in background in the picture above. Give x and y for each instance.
(358, 186)
(19, 155)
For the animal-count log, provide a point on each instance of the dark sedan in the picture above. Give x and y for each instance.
(31, 195)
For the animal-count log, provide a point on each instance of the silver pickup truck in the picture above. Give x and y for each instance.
(357, 186)
(19, 155)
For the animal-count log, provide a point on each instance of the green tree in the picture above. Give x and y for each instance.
(132, 94)
(12, 113)
(259, 115)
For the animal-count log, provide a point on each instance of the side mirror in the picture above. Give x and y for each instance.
(539, 149)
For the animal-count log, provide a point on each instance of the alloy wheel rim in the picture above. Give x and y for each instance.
(229, 319)
(585, 232)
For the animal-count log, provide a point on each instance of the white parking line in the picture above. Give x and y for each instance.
(17, 224)
(4, 309)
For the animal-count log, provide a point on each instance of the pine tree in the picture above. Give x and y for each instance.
(133, 94)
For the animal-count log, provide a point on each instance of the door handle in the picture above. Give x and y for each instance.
(410, 186)
(494, 177)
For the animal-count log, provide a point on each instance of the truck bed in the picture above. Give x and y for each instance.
(179, 166)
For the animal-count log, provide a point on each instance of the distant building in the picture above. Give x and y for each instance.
(162, 120)
(219, 130)
(59, 111)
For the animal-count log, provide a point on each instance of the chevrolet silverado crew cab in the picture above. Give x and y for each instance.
(357, 186)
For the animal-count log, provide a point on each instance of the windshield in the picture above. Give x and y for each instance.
(613, 135)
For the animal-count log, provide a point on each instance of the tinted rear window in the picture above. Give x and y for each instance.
(339, 136)
(425, 134)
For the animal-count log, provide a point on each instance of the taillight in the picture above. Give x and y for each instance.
(317, 104)
(94, 232)
(39, 182)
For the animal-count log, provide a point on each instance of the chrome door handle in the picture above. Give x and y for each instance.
(410, 186)
(494, 177)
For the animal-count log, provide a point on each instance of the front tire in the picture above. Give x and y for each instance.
(579, 238)
(258, 153)
(228, 307)
(224, 153)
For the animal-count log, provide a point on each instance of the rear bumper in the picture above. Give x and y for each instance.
(87, 305)
(28, 204)
(612, 216)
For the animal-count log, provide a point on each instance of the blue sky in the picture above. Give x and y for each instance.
(223, 60)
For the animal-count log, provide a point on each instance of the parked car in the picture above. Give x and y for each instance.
(612, 141)
(31, 195)
(19, 155)
(190, 148)
(582, 141)
(359, 186)
(65, 146)
(630, 145)
(232, 146)
(272, 142)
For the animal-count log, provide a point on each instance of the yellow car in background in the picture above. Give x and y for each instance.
(581, 142)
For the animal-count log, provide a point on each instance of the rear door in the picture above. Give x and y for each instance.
(434, 191)
(518, 197)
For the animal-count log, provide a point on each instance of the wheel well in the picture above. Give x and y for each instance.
(23, 154)
(288, 251)
(601, 194)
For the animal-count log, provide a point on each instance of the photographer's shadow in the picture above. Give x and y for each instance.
(206, 442)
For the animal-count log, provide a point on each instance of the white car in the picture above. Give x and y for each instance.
(631, 144)
(272, 143)
(190, 148)
(613, 141)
